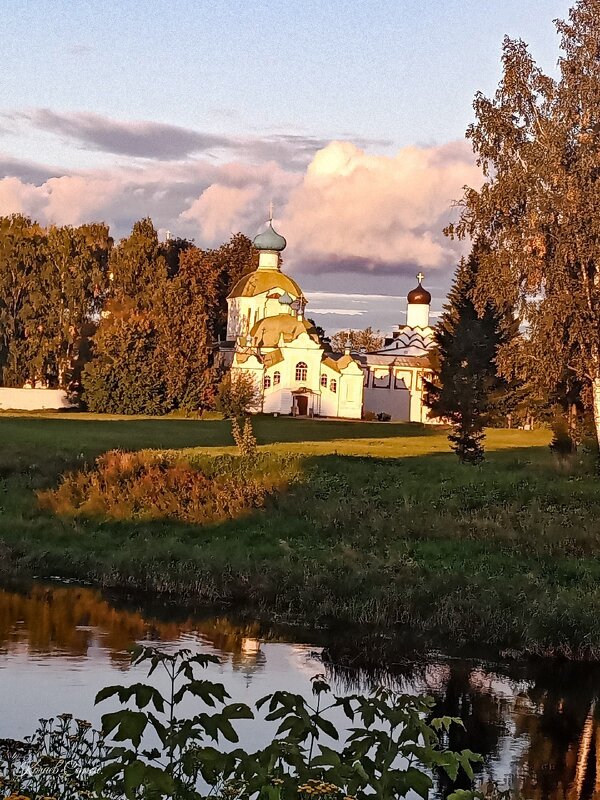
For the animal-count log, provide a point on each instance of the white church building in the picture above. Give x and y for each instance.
(269, 338)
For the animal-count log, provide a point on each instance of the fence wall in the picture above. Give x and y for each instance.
(33, 399)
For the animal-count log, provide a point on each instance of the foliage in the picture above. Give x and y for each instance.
(148, 486)
(466, 385)
(60, 760)
(125, 376)
(538, 208)
(154, 752)
(367, 340)
(244, 436)
(154, 348)
(237, 394)
(52, 283)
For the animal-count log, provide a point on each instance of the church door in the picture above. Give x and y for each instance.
(302, 405)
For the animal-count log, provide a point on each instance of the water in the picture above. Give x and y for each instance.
(535, 722)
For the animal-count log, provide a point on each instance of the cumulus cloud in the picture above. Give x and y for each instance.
(354, 211)
(348, 213)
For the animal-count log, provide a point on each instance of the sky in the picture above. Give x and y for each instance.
(349, 116)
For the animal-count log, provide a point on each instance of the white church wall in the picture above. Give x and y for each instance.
(389, 393)
(350, 396)
(33, 399)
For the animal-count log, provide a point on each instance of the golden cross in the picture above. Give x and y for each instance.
(271, 211)
(420, 277)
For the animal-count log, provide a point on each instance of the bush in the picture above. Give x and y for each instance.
(237, 395)
(148, 486)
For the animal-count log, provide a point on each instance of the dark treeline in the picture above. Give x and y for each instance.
(129, 327)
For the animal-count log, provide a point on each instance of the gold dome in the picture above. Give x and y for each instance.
(263, 280)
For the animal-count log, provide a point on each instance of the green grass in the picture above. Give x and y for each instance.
(379, 525)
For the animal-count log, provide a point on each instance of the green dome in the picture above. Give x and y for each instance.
(269, 240)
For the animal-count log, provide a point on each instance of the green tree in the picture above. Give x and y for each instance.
(125, 376)
(537, 141)
(466, 388)
(138, 265)
(74, 282)
(237, 395)
(51, 287)
(22, 247)
(185, 343)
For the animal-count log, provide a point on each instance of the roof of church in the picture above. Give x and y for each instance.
(263, 280)
(383, 360)
(270, 240)
(337, 363)
(266, 332)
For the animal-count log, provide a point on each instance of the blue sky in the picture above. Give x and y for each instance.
(197, 113)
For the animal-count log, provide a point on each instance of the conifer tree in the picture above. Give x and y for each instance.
(466, 388)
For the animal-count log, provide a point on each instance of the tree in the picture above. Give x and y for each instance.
(367, 340)
(466, 387)
(185, 341)
(237, 395)
(138, 265)
(537, 141)
(125, 376)
(22, 244)
(51, 286)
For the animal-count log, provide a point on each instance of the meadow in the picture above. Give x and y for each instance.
(372, 523)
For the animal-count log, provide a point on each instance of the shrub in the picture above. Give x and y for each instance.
(237, 395)
(145, 485)
(244, 437)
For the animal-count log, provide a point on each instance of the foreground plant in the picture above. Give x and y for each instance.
(388, 750)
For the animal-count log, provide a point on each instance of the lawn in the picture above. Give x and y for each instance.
(378, 524)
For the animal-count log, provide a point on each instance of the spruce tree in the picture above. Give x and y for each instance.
(466, 389)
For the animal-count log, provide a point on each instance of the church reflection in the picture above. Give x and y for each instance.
(536, 722)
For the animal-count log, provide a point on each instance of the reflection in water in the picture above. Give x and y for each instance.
(537, 723)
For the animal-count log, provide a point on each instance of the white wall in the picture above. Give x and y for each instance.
(33, 399)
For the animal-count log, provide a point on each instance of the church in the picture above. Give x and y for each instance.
(296, 373)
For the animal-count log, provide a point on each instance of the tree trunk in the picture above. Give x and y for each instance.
(596, 404)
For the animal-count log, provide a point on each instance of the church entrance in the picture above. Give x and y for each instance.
(301, 405)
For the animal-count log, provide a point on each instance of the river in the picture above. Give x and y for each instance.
(534, 721)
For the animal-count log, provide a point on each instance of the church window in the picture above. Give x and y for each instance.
(267, 382)
(381, 378)
(276, 378)
(301, 371)
(324, 380)
(402, 379)
(333, 385)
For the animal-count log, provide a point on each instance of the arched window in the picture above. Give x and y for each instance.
(324, 380)
(276, 378)
(301, 371)
(267, 382)
(333, 385)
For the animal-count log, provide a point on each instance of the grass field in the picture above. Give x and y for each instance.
(379, 524)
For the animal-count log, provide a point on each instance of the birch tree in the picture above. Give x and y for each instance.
(538, 144)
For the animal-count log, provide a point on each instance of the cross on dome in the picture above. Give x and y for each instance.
(420, 277)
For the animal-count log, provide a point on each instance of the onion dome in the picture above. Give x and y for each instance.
(270, 240)
(419, 295)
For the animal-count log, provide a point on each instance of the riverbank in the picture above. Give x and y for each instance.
(378, 524)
